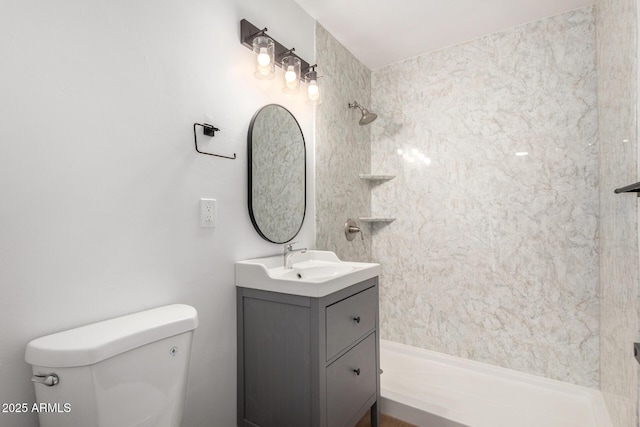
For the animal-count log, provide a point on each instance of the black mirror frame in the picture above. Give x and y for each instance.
(250, 174)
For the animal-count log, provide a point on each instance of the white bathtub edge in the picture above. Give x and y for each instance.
(594, 396)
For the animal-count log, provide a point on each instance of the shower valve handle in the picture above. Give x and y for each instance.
(354, 229)
(351, 229)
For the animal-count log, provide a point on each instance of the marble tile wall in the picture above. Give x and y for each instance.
(343, 149)
(616, 34)
(493, 255)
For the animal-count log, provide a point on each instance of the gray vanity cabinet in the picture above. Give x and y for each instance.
(308, 362)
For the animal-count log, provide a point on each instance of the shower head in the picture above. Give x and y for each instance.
(367, 116)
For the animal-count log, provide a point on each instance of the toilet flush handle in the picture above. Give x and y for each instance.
(48, 380)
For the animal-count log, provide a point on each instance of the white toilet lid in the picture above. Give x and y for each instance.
(93, 343)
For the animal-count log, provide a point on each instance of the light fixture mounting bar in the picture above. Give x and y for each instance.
(247, 33)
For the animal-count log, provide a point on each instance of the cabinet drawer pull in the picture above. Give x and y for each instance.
(356, 319)
(356, 371)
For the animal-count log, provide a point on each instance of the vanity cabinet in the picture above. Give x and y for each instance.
(306, 361)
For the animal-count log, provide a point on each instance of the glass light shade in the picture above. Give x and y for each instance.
(291, 79)
(313, 91)
(264, 49)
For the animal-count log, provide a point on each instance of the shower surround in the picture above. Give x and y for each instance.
(617, 53)
(493, 255)
(342, 150)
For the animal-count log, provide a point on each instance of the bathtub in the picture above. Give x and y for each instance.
(431, 389)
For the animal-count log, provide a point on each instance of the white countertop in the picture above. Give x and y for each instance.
(269, 274)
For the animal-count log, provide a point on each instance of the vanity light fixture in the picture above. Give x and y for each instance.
(264, 49)
(313, 91)
(269, 52)
(291, 76)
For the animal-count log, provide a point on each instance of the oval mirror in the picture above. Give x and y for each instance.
(277, 174)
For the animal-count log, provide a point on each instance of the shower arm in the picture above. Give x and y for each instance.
(356, 105)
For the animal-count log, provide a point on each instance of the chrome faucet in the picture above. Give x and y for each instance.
(289, 252)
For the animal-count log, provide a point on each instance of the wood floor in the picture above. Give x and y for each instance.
(385, 421)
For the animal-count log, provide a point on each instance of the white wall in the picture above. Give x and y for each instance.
(100, 183)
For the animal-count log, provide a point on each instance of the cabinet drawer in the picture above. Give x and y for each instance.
(350, 319)
(351, 381)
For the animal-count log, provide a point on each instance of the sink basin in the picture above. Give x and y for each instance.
(311, 270)
(314, 273)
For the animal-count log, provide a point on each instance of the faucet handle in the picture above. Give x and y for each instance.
(289, 246)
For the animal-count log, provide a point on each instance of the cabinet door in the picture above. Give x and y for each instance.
(350, 319)
(277, 364)
(351, 381)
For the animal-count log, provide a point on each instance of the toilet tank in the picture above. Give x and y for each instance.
(123, 372)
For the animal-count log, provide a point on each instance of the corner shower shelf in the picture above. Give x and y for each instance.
(370, 177)
(376, 219)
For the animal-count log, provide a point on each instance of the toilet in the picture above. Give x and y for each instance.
(123, 372)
